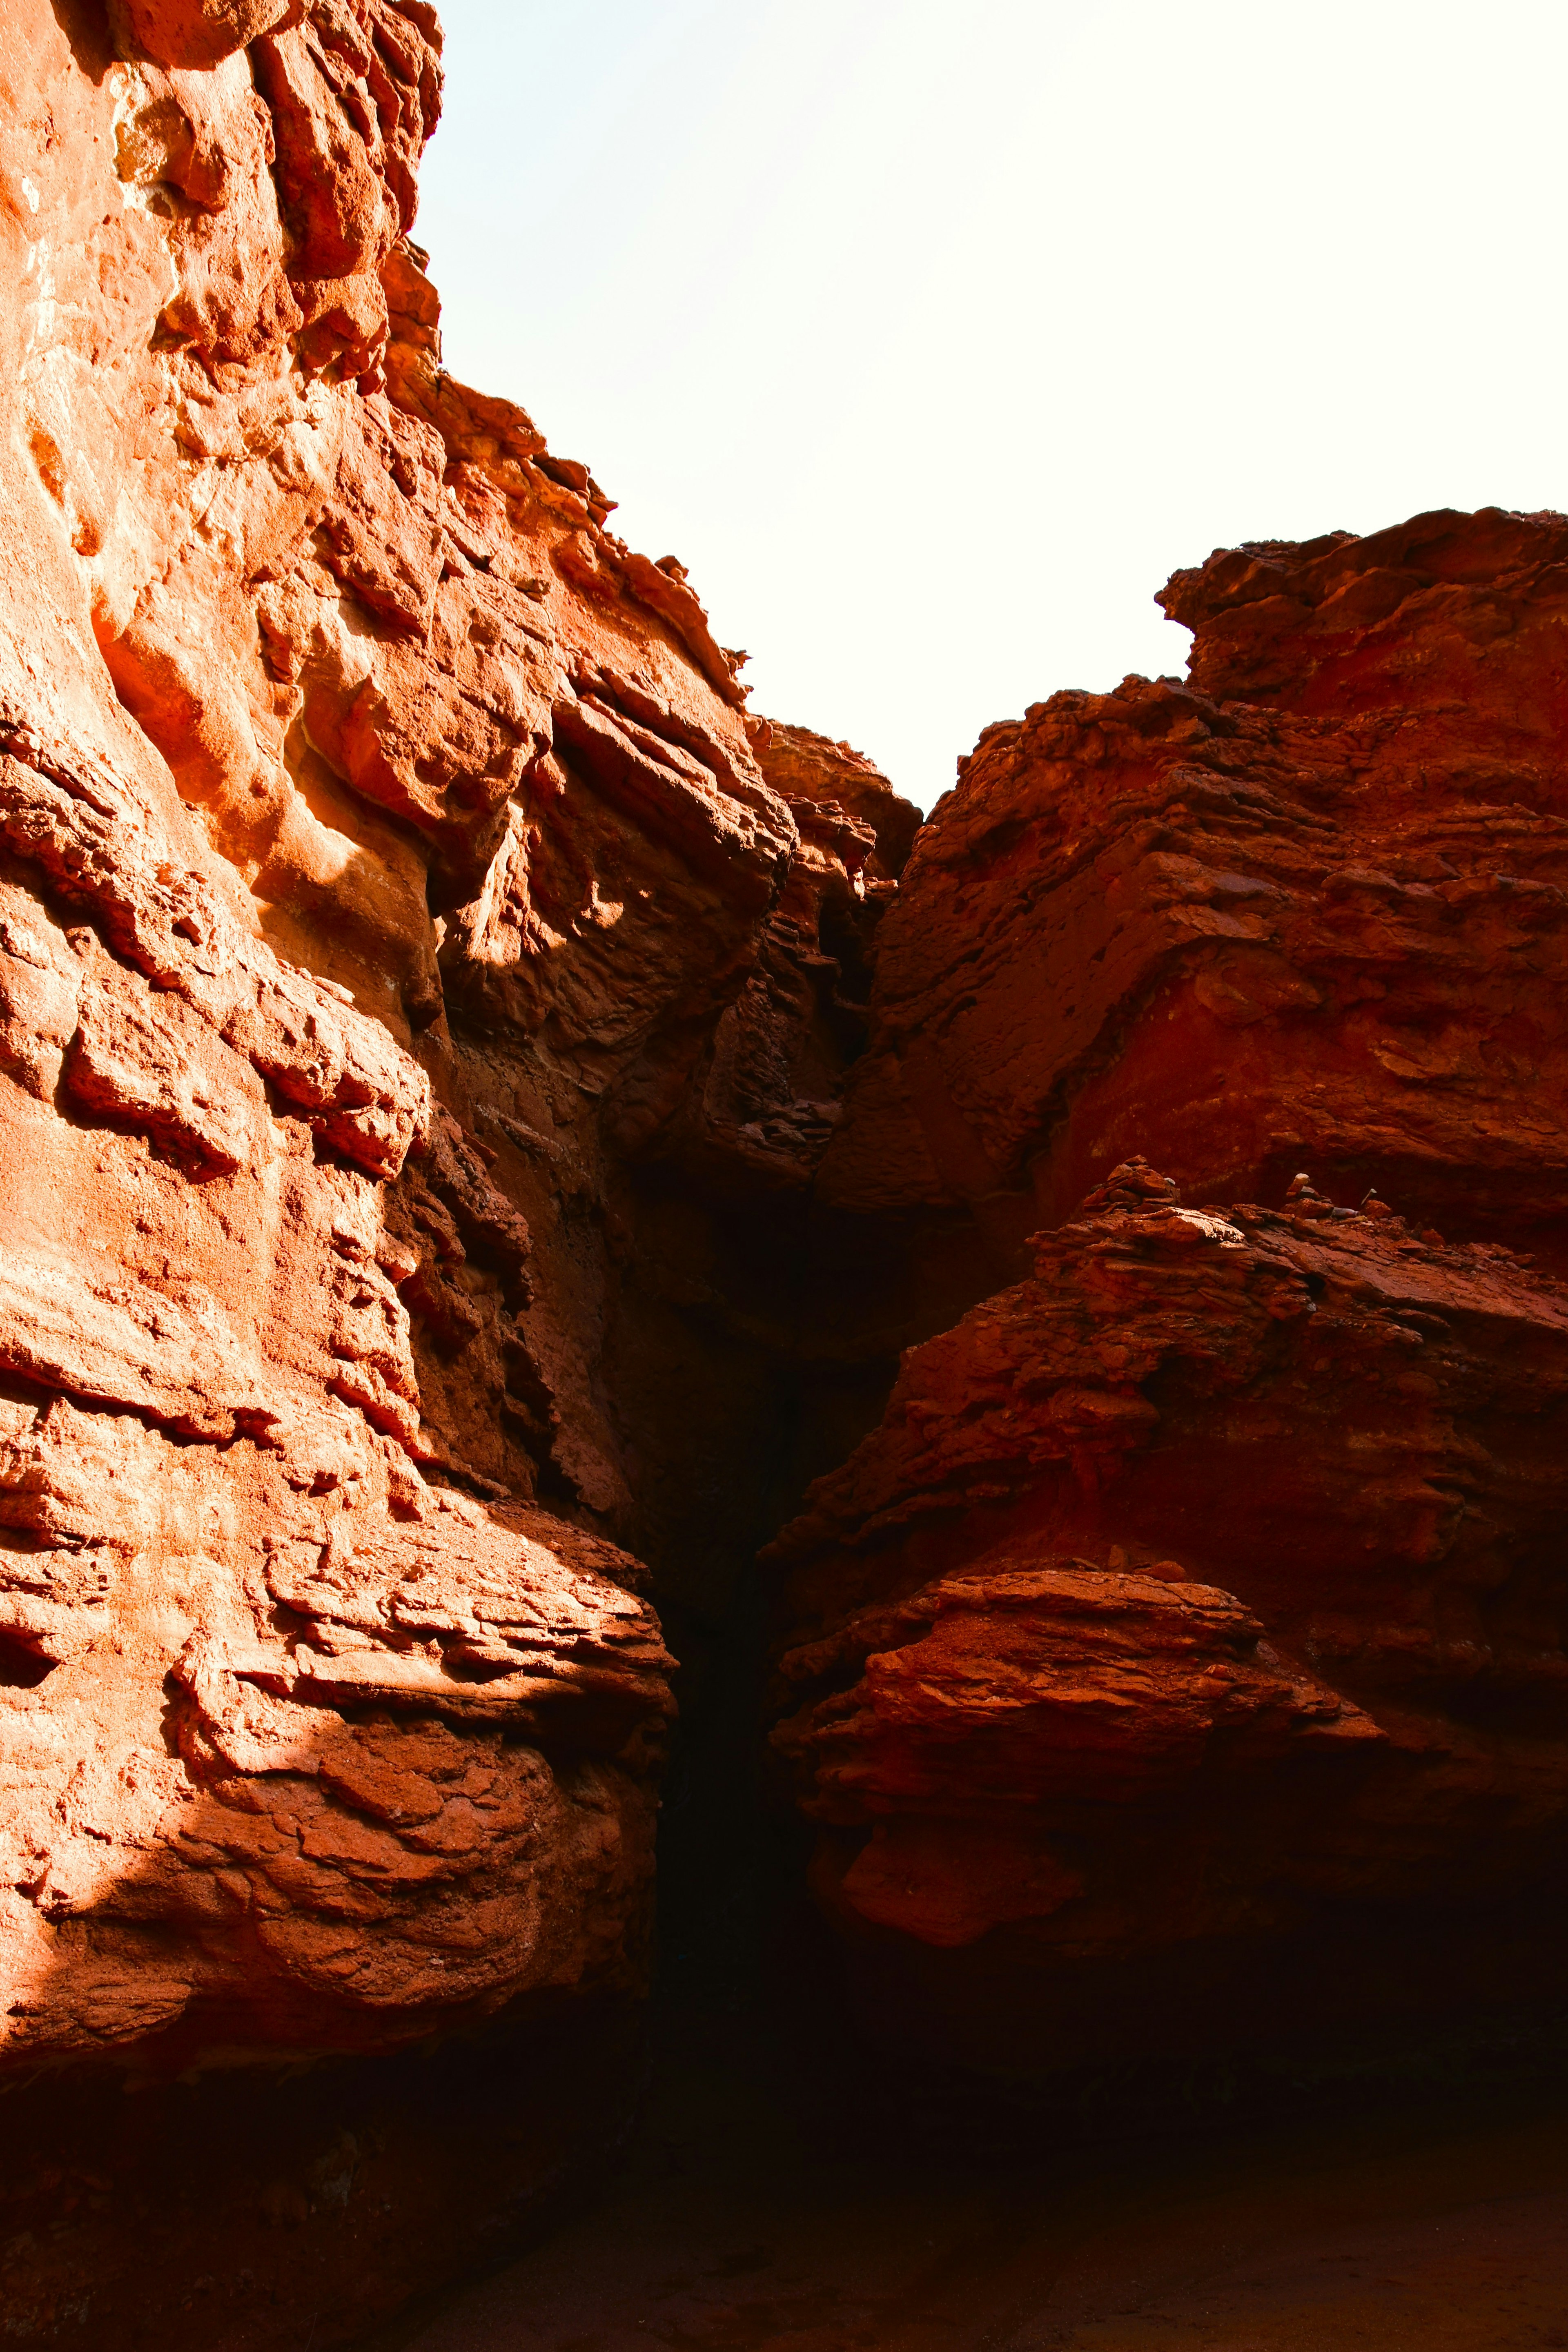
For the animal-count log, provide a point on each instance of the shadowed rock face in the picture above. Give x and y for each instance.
(1181, 1665)
(482, 1116)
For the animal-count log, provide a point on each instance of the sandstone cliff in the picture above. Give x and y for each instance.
(1179, 1667)
(1303, 903)
(406, 968)
(486, 1121)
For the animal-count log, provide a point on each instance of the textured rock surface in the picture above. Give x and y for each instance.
(406, 970)
(387, 869)
(1181, 1660)
(1204, 1581)
(303, 1752)
(1301, 910)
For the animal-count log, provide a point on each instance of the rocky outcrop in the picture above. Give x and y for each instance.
(1196, 1589)
(306, 1748)
(407, 974)
(406, 968)
(394, 1776)
(1298, 910)
(1185, 1643)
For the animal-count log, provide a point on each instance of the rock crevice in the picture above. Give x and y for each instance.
(491, 1132)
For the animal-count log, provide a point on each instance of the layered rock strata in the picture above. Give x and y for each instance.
(1301, 909)
(415, 969)
(1197, 1593)
(1187, 1642)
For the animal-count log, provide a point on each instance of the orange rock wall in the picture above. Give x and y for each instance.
(386, 872)
(420, 982)
(485, 1120)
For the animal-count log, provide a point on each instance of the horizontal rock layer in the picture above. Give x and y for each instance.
(416, 970)
(1196, 1580)
(1303, 911)
(1181, 1663)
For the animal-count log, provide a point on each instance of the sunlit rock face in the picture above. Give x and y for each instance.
(1180, 1665)
(388, 881)
(235, 1549)
(482, 1119)
(411, 986)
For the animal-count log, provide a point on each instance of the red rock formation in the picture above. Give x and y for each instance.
(1198, 1588)
(1300, 911)
(476, 1105)
(403, 962)
(1192, 1625)
(260, 680)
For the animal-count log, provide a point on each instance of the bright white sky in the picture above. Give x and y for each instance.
(933, 337)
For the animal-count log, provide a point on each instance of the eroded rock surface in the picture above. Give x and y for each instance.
(482, 1116)
(387, 877)
(407, 968)
(302, 1752)
(1187, 1642)
(1302, 909)
(1204, 1582)
(404, 962)
(394, 1773)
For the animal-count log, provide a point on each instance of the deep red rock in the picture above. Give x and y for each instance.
(1197, 1589)
(1290, 931)
(480, 1117)
(1303, 911)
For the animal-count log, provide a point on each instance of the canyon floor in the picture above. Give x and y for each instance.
(784, 2189)
(754, 2209)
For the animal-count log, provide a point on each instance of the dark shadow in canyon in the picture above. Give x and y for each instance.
(797, 2175)
(761, 2155)
(734, 2226)
(773, 2151)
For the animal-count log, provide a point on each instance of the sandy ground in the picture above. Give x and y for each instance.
(752, 2211)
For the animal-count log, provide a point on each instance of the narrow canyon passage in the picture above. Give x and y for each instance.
(788, 2184)
(802, 1562)
(786, 2187)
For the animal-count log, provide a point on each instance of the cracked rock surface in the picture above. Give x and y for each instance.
(1180, 1663)
(491, 1130)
